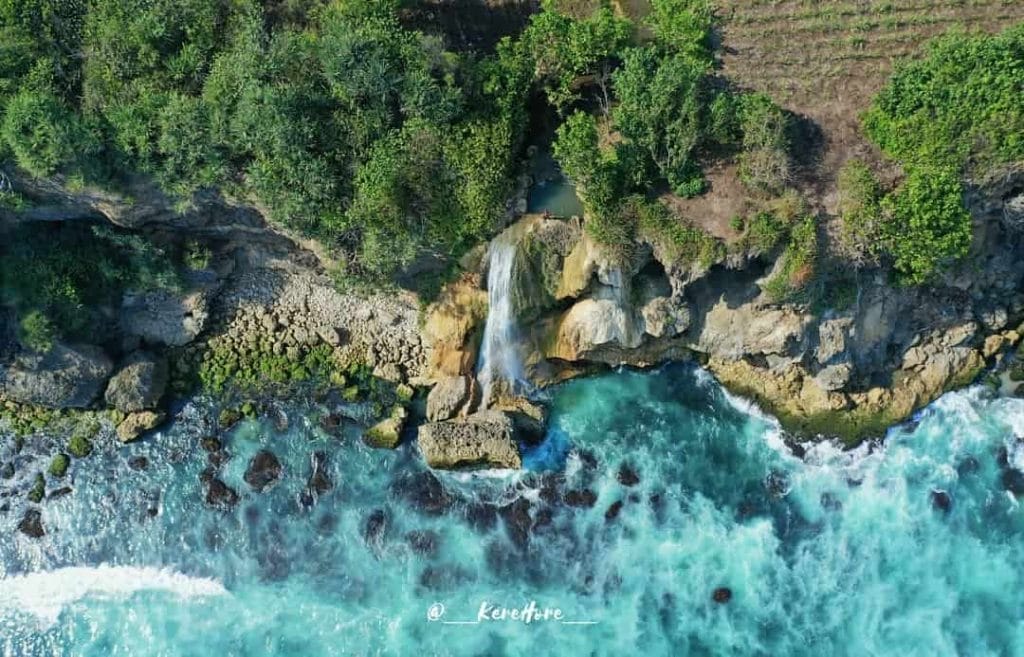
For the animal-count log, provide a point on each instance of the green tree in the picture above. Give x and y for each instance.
(929, 227)
(41, 131)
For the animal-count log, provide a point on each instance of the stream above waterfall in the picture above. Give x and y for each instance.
(660, 510)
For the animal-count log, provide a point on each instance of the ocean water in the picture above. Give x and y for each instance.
(652, 491)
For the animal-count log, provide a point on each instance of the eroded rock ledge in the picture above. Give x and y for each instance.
(849, 373)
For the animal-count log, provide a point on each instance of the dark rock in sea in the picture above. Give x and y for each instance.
(1003, 457)
(331, 422)
(777, 484)
(582, 498)
(375, 529)
(251, 514)
(5, 507)
(424, 542)
(613, 511)
(968, 466)
(722, 595)
(517, 520)
(7, 470)
(210, 444)
(326, 524)
(218, 458)
(279, 419)
(1013, 481)
(138, 463)
(543, 518)
(549, 489)
(443, 577)
(31, 524)
(830, 502)
(60, 492)
(481, 517)
(319, 481)
(942, 501)
(657, 502)
(627, 475)
(587, 459)
(220, 495)
(207, 475)
(424, 492)
(264, 471)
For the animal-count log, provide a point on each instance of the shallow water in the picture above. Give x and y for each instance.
(555, 196)
(840, 554)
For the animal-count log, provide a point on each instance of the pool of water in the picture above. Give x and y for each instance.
(555, 196)
(660, 516)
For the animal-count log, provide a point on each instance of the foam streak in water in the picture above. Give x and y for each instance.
(499, 354)
(45, 594)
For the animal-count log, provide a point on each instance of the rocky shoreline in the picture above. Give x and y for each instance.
(264, 316)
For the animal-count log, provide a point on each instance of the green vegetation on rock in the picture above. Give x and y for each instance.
(59, 465)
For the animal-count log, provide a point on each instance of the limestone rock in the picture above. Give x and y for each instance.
(452, 328)
(834, 377)
(748, 329)
(594, 323)
(664, 317)
(387, 433)
(484, 440)
(452, 396)
(66, 377)
(832, 338)
(137, 424)
(139, 384)
(165, 318)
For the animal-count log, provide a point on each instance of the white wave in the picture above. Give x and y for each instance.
(45, 594)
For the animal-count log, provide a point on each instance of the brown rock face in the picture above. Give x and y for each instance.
(452, 328)
(452, 396)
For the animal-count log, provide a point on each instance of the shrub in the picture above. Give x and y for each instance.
(764, 161)
(929, 228)
(42, 133)
(36, 331)
(675, 239)
(860, 212)
(798, 263)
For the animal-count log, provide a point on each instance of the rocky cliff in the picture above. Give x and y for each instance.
(847, 372)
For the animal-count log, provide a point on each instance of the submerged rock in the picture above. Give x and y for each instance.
(722, 595)
(264, 471)
(613, 511)
(65, 377)
(375, 529)
(627, 475)
(319, 481)
(424, 542)
(139, 384)
(942, 501)
(220, 495)
(31, 524)
(483, 440)
(583, 498)
(424, 492)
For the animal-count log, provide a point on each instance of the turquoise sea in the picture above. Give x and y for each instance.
(653, 495)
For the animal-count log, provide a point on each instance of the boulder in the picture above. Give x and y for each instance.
(139, 384)
(483, 440)
(264, 471)
(163, 317)
(220, 495)
(137, 424)
(66, 377)
(452, 396)
(834, 377)
(592, 324)
(664, 317)
(31, 524)
(387, 433)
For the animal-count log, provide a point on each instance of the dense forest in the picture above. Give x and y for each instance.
(341, 120)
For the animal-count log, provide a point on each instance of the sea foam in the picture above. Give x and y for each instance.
(45, 594)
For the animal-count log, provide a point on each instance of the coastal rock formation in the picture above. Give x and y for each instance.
(136, 424)
(452, 396)
(139, 384)
(483, 440)
(165, 318)
(387, 433)
(264, 471)
(68, 376)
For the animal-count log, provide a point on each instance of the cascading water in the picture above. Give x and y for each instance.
(500, 361)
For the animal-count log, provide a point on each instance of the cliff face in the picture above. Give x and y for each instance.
(850, 372)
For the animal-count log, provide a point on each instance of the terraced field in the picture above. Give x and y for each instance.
(826, 59)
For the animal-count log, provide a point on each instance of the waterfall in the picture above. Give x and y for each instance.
(499, 353)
